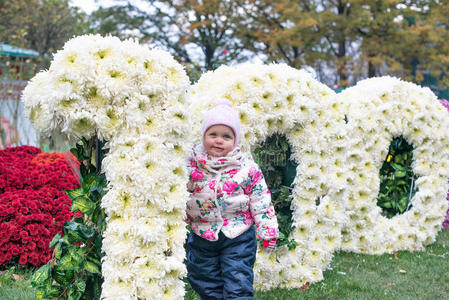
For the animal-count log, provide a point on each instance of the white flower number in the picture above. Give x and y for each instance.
(135, 99)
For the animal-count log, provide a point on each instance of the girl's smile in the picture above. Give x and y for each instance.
(219, 140)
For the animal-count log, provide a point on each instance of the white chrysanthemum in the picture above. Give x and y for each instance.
(278, 98)
(134, 98)
(378, 110)
(39, 102)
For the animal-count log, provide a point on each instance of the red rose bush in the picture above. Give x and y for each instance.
(33, 202)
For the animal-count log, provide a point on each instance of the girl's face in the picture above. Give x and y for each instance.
(219, 140)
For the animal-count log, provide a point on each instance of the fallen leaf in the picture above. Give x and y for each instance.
(391, 283)
(402, 271)
(395, 254)
(17, 277)
(305, 287)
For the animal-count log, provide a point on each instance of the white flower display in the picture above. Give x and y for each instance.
(134, 98)
(378, 110)
(277, 98)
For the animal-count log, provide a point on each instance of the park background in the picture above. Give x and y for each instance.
(339, 42)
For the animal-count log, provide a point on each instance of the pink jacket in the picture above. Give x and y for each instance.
(228, 194)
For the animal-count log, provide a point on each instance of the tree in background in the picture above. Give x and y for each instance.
(41, 25)
(345, 41)
(200, 34)
(305, 33)
(408, 41)
(123, 21)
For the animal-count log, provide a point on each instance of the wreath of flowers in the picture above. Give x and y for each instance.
(278, 98)
(378, 110)
(134, 98)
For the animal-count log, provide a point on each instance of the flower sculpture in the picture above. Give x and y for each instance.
(134, 98)
(378, 110)
(445, 103)
(277, 98)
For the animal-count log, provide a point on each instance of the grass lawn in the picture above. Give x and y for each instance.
(351, 276)
(15, 284)
(359, 276)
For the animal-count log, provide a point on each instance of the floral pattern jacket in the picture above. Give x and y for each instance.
(228, 194)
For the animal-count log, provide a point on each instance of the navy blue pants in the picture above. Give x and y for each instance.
(222, 269)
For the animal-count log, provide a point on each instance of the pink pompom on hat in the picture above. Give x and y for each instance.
(223, 114)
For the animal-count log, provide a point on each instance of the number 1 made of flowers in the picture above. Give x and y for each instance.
(134, 98)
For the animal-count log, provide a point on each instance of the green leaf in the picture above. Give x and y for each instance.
(55, 240)
(80, 285)
(398, 167)
(77, 254)
(90, 180)
(75, 237)
(94, 260)
(386, 204)
(62, 276)
(400, 174)
(86, 231)
(39, 294)
(66, 262)
(292, 244)
(402, 205)
(75, 193)
(98, 242)
(92, 267)
(79, 220)
(71, 231)
(41, 276)
(73, 293)
(281, 236)
(58, 251)
(52, 292)
(83, 204)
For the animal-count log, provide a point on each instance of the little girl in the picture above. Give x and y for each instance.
(227, 194)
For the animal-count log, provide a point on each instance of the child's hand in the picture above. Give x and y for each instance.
(269, 244)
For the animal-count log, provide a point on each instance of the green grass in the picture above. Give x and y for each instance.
(15, 284)
(359, 276)
(351, 276)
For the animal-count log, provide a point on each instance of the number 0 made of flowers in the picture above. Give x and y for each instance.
(134, 98)
(277, 98)
(378, 110)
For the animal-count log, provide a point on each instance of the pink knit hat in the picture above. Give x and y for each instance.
(223, 114)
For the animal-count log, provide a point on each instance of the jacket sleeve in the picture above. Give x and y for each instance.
(190, 186)
(261, 207)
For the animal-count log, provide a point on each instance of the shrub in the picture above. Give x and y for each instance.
(74, 271)
(397, 179)
(273, 157)
(33, 203)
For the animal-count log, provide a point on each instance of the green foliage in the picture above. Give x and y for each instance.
(74, 272)
(397, 179)
(279, 172)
